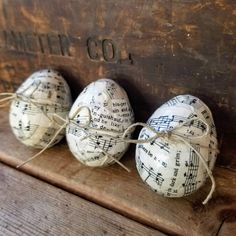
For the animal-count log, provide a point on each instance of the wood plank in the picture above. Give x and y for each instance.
(124, 192)
(229, 225)
(156, 49)
(29, 206)
(227, 158)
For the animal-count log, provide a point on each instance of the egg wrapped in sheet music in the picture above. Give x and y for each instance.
(43, 94)
(98, 119)
(167, 164)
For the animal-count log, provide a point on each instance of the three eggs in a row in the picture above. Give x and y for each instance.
(98, 119)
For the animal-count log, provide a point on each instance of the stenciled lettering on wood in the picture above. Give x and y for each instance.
(60, 45)
(101, 49)
(29, 42)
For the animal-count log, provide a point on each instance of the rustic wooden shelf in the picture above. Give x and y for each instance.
(32, 207)
(125, 193)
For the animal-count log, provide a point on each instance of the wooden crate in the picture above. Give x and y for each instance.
(155, 49)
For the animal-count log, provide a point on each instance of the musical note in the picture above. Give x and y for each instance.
(193, 101)
(166, 122)
(75, 131)
(149, 171)
(190, 183)
(28, 127)
(139, 164)
(17, 103)
(173, 101)
(205, 114)
(162, 145)
(162, 122)
(20, 124)
(110, 89)
(159, 179)
(196, 124)
(156, 177)
(144, 135)
(99, 141)
(25, 108)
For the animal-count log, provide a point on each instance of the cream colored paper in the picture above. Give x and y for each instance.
(100, 114)
(169, 166)
(43, 94)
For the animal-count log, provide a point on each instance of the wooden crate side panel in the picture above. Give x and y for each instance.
(155, 49)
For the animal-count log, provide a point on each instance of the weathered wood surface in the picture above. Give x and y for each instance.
(30, 207)
(156, 49)
(124, 192)
(228, 227)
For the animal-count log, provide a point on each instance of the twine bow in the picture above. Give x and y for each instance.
(186, 140)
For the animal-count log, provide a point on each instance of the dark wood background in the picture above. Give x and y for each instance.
(156, 49)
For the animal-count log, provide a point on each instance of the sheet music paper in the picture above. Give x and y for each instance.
(43, 94)
(169, 166)
(111, 111)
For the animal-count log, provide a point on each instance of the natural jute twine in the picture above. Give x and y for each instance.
(119, 136)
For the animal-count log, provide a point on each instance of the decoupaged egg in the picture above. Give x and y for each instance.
(98, 118)
(43, 94)
(168, 165)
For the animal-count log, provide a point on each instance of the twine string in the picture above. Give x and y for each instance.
(86, 126)
(6, 99)
(185, 139)
(209, 172)
(65, 123)
(46, 147)
(121, 136)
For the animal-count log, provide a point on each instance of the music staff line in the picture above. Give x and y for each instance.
(157, 177)
(193, 166)
(163, 122)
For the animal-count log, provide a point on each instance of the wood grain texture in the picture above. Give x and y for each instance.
(228, 226)
(156, 49)
(31, 207)
(124, 192)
